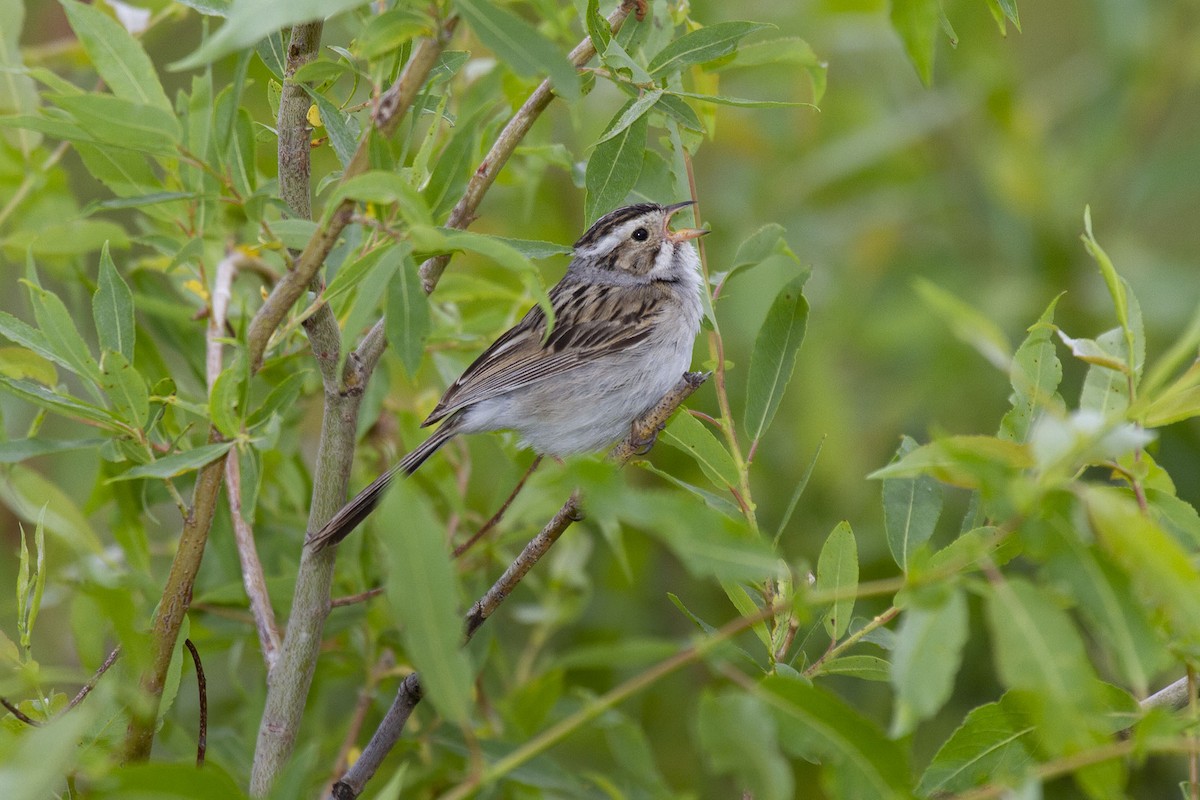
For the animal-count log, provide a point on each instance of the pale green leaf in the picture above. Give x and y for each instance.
(700, 46)
(967, 324)
(408, 322)
(926, 659)
(177, 463)
(774, 356)
(614, 166)
(57, 324)
(519, 45)
(18, 93)
(423, 591)
(117, 56)
(122, 123)
(911, 507)
(125, 389)
(112, 309)
(867, 668)
(15, 450)
(837, 574)
(689, 435)
(917, 23)
(989, 747)
(1035, 374)
(61, 403)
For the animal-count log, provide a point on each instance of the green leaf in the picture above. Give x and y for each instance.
(967, 324)
(63, 404)
(989, 747)
(423, 591)
(37, 760)
(1160, 569)
(597, 26)
(71, 238)
(387, 33)
(18, 93)
(700, 46)
(774, 356)
(867, 668)
(926, 659)
(519, 45)
(225, 401)
(20, 363)
(386, 188)
(177, 463)
(384, 260)
(125, 388)
(58, 326)
(917, 23)
(737, 102)
(738, 738)
(172, 781)
(1106, 385)
(408, 321)
(911, 507)
(31, 497)
(13, 451)
(1035, 644)
(614, 166)
(631, 113)
(961, 461)
(688, 434)
(112, 309)
(837, 573)
(342, 127)
(122, 123)
(1035, 375)
(789, 51)
(29, 337)
(857, 759)
(117, 56)
(251, 20)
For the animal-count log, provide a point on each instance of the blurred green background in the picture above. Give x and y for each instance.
(977, 184)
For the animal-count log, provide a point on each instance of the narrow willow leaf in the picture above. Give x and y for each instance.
(688, 434)
(774, 356)
(125, 388)
(1036, 645)
(112, 309)
(738, 737)
(117, 121)
(797, 492)
(1010, 11)
(388, 32)
(1116, 287)
(700, 46)
(408, 321)
(117, 56)
(386, 188)
(62, 337)
(281, 398)
(837, 574)
(342, 128)
(737, 102)
(867, 668)
(63, 404)
(614, 166)
(20, 363)
(16, 450)
(519, 45)
(250, 20)
(423, 591)
(1035, 375)
(967, 324)
(177, 463)
(680, 111)
(926, 659)
(968, 461)
(241, 154)
(991, 746)
(911, 507)
(1160, 569)
(597, 26)
(631, 114)
(20, 332)
(28, 494)
(18, 93)
(857, 759)
(1106, 385)
(917, 23)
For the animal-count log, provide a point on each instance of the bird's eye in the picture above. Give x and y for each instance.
(641, 235)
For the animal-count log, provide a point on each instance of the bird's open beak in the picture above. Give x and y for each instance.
(684, 234)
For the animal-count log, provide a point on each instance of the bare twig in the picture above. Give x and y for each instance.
(1175, 696)
(506, 143)
(351, 784)
(202, 691)
(18, 713)
(86, 689)
(361, 597)
(499, 515)
(252, 572)
(383, 666)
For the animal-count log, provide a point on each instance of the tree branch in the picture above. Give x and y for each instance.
(506, 143)
(409, 694)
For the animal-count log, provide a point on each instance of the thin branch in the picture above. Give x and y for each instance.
(202, 691)
(86, 689)
(361, 597)
(1174, 697)
(252, 571)
(506, 143)
(499, 515)
(383, 666)
(409, 694)
(851, 640)
(18, 713)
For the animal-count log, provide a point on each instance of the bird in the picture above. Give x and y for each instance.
(626, 315)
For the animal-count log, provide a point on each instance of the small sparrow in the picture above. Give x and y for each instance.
(626, 315)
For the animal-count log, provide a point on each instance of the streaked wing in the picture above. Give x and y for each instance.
(591, 320)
